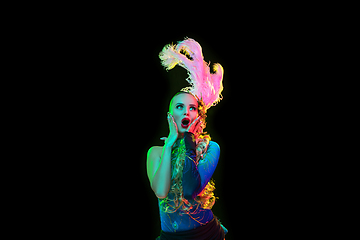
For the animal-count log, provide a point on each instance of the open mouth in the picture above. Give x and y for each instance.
(185, 122)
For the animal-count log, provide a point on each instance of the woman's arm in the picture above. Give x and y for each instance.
(159, 166)
(159, 170)
(196, 177)
(208, 165)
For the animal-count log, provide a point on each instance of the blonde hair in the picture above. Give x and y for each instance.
(206, 198)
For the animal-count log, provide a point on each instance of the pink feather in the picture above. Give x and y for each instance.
(203, 84)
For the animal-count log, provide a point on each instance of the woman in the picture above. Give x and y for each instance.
(180, 171)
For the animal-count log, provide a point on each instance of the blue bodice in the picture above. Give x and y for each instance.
(195, 178)
(173, 222)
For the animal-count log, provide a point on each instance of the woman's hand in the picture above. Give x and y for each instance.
(173, 135)
(194, 126)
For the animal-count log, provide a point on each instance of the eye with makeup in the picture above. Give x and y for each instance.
(181, 106)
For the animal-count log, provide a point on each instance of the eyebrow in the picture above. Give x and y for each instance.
(180, 103)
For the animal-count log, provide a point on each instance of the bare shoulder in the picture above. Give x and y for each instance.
(154, 153)
(153, 161)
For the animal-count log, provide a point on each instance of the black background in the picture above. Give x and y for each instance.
(112, 97)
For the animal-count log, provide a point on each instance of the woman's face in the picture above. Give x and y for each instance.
(184, 109)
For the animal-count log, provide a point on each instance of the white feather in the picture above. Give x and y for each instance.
(203, 84)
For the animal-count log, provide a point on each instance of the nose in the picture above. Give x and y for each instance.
(186, 112)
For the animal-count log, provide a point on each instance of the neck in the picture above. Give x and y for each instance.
(180, 135)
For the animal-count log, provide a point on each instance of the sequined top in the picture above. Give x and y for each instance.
(195, 178)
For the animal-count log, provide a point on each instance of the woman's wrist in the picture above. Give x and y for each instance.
(168, 145)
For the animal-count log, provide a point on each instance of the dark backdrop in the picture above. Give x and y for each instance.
(113, 99)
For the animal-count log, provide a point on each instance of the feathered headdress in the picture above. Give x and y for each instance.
(188, 54)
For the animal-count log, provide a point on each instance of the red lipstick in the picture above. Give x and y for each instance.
(185, 122)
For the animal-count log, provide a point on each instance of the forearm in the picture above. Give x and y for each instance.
(162, 177)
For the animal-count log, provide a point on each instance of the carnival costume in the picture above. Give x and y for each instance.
(186, 216)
